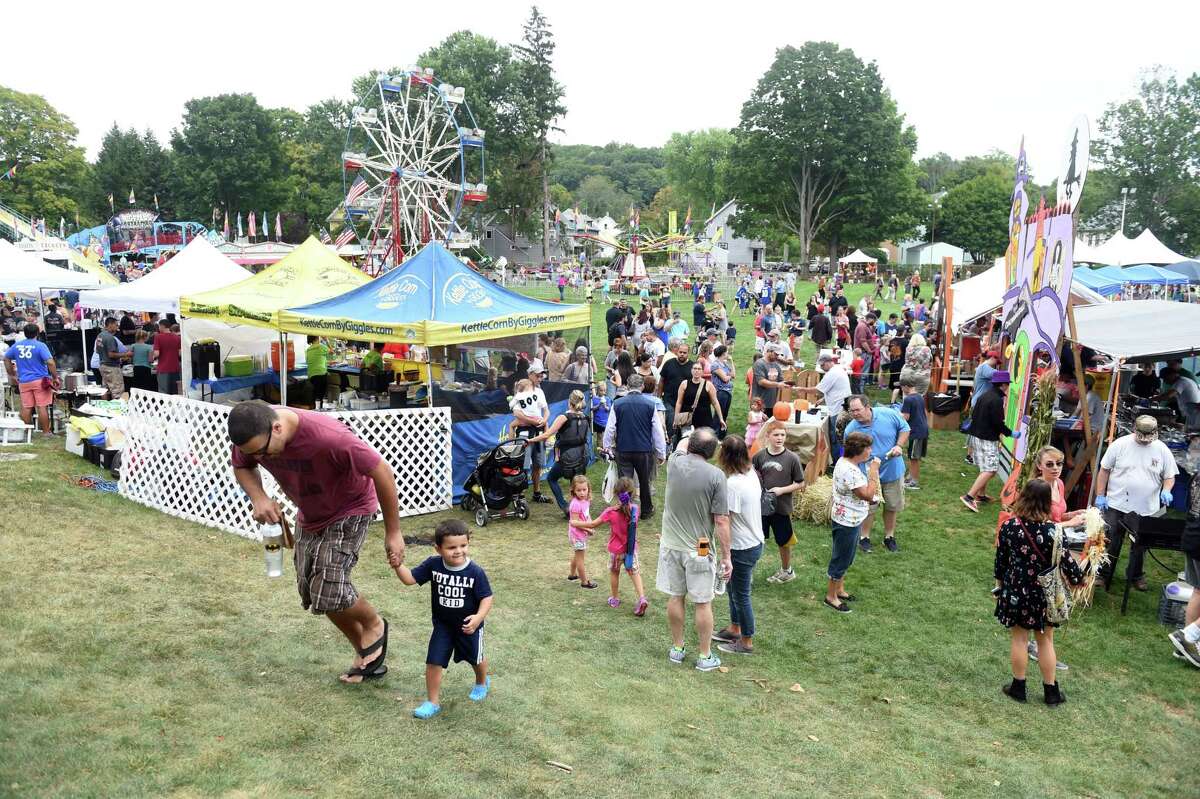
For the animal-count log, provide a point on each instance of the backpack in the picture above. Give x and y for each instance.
(572, 446)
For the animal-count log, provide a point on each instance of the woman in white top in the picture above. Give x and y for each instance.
(852, 495)
(744, 491)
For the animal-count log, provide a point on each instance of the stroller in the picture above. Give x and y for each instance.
(495, 488)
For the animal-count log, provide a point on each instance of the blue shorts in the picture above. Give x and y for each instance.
(535, 455)
(780, 526)
(447, 640)
(845, 545)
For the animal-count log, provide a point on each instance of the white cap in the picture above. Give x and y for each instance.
(535, 366)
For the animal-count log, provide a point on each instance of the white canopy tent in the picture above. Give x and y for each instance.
(1121, 250)
(1148, 330)
(1152, 251)
(984, 294)
(857, 257)
(198, 267)
(22, 273)
(1085, 253)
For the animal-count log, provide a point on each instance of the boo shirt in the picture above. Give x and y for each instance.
(457, 592)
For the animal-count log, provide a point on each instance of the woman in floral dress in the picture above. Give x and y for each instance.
(1024, 550)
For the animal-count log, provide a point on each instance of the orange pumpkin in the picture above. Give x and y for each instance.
(783, 411)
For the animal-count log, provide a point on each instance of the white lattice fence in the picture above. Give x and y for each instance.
(176, 460)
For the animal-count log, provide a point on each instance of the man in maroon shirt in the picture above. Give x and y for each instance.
(166, 355)
(338, 482)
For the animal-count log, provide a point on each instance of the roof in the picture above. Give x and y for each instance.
(432, 299)
(309, 273)
(1140, 330)
(196, 268)
(719, 211)
(23, 273)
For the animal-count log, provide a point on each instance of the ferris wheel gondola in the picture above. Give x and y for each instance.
(413, 167)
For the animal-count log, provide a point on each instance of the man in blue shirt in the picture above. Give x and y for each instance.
(32, 367)
(635, 431)
(983, 375)
(889, 436)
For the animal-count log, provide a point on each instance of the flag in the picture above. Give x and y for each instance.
(325, 239)
(239, 224)
(226, 225)
(156, 201)
(62, 227)
(637, 220)
(9, 174)
(110, 202)
(253, 233)
(557, 216)
(357, 189)
(278, 228)
(575, 221)
(687, 222)
(344, 237)
(131, 199)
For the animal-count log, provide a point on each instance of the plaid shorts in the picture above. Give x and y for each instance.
(986, 454)
(323, 560)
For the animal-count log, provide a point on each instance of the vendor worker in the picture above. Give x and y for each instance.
(1145, 384)
(316, 362)
(1185, 393)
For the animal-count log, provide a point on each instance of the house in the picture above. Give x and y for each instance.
(920, 253)
(731, 249)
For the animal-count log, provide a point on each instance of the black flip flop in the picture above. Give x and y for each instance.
(376, 668)
(847, 597)
(842, 608)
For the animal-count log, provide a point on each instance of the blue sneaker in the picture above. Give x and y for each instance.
(427, 710)
(676, 654)
(708, 663)
(480, 692)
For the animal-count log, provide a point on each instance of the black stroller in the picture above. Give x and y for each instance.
(495, 488)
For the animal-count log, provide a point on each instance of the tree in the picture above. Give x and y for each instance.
(974, 215)
(822, 151)
(636, 170)
(599, 196)
(541, 102)
(52, 174)
(560, 197)
(129, 161)
(697, 165)
(658, 215)
(1150, 144)
(229, 154)
(312, 144)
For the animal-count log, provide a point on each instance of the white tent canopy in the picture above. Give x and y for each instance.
(1121, 250)
(984, 294)
(22, 273)
(1140, 331)
(198, 267)
(857, 257)
(1085, 253)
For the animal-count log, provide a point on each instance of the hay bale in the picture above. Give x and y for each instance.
(813, 503)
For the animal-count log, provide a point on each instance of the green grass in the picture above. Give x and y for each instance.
(144, 656)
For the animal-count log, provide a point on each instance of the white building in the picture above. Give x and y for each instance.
(730, 249)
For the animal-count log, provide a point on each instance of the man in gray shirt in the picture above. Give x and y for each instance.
(768, 377)
(696, 509)
(110, 359)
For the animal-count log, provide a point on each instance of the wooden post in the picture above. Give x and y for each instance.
(948, 322)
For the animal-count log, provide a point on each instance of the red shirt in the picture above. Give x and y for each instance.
(618, 539)
(856, 366)
(325, 469)
(167, 345)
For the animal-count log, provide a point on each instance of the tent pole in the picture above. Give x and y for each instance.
(429, 375)
(283, 369)
(1106, 435)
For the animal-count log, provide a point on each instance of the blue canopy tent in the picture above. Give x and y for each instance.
(1148, 275)
(1189, 269)
(1097, 282)
(435, 300)
(1110, 273)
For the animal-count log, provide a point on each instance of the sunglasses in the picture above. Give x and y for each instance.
(267, 446)
(1053, 464)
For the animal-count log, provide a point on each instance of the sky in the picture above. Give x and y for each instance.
(965, 74)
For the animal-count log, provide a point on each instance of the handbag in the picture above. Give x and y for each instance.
(768, 503)
(684, 418)
(1050, 580)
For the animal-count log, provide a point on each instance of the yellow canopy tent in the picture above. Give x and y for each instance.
(310, 273)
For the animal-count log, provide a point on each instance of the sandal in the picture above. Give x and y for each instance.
(614, 602)
(572, 576)
(589, 584)
(376, 668)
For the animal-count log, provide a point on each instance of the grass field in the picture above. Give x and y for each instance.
(144, 656)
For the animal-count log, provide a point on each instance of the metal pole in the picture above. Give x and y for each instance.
(283, 368)
(1124, 197)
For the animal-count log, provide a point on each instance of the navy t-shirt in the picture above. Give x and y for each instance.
(456, 594)
(914, 406)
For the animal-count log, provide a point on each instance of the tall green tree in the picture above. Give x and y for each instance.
(312, 145)
(822, 151)
(599, 196)
(1151, 144)
(131, 161)
(697, 165)
(635, 170)
(228, 154)
(974, 215)
(541, 102)
(52, 173)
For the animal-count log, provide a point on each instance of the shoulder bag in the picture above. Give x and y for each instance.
(684, 418)
(1050, 580)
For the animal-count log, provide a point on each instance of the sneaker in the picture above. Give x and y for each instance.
(1190, 650)
(640, 608)
(542, 499)
(675, 654)
(725, 637)
(969, 502)
(710, 663)
(736, 648)
(774, 578)
(911, 486)
(890, 544)
(864, 544)
(480, 692)
(427, 710)
(786, 576)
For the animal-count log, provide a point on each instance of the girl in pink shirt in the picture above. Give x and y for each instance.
(622, 517)
(580, 514)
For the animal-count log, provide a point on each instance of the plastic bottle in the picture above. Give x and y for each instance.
(272, 536)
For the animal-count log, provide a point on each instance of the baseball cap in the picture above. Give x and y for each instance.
(1000, 376)
(993, 353)
(1145, 428)
(825, 357)
(536, 366)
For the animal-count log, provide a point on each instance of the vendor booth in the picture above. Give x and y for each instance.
(857, 265)
(311, 272)
(464, 334)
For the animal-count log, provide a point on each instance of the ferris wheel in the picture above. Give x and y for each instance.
(413, 167)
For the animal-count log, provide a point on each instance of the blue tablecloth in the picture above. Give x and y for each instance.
(224, 385)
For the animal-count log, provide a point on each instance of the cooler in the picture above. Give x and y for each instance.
(239, 366)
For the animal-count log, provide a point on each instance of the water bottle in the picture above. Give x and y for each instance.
(272, 535)
(719, 582)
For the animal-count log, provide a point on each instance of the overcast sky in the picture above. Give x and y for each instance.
(963, 73)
